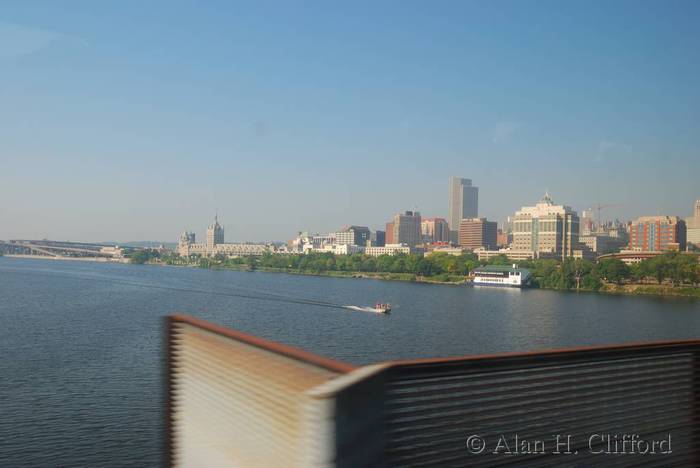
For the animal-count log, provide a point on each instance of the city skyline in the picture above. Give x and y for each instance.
(202, 233)
(118, 126)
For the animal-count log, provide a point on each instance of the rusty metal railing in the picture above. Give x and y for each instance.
(575, 400)
(237, 400)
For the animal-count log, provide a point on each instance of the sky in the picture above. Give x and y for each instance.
(135, 120)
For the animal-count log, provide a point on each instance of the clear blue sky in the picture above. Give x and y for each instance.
(134, 120)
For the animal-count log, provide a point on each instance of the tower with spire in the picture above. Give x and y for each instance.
(215, 234)
(546, 199)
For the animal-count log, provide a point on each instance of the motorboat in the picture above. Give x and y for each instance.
(382, 308)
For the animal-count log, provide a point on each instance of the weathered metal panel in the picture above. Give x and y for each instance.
(237, 400)
(645, 390)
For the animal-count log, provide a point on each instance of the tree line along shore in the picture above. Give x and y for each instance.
(667, 274)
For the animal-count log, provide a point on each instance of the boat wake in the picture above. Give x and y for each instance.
(371, 310)
(238, 292)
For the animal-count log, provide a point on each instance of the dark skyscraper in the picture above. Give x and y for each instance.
(464, 203)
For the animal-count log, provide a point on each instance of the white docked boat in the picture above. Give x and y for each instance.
(497, 275)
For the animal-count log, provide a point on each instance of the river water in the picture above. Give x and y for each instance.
(80, 374)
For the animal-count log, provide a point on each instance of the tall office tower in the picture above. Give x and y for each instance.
(656, 233)
(464, 203)
(435, 230)
(407, 228)
(475, 233)
(546, 228)
(215, 234)
(693, 226)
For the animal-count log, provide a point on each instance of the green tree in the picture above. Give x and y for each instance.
(581, 271)
(140, 257)
(613, 270)
(369, 263)
(425, 267)
(385, 263)
(499, 259)
(252, 263)
(398, 264)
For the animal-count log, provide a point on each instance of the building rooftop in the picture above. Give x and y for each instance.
(653, 219)
(500, 269)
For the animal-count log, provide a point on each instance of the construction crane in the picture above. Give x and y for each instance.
(599, 207)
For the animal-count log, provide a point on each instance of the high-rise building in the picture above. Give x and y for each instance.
(389, 236)
(546, 228)
(476, 233)
(406, 229)
(378, 238)
(658, 233)
(352, 235)
(693, 226)
(215, 234)
(464, 203)
(435, 230)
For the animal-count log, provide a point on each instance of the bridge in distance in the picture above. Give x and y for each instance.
(61, 249)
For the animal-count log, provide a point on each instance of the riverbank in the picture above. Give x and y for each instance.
(651, 290)
(408, 277)
(663, 290)
(626, 289)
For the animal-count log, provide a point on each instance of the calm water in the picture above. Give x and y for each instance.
(80, 342)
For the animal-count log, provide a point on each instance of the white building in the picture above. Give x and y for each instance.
(546, 228)
(388, 249)
(339, 249)
(692, 224)
(215, 245)
(115, 251)
(215, 233)
(447, 249)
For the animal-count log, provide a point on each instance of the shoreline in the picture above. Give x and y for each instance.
(648, 290)
(386, 276)
(654, 290)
